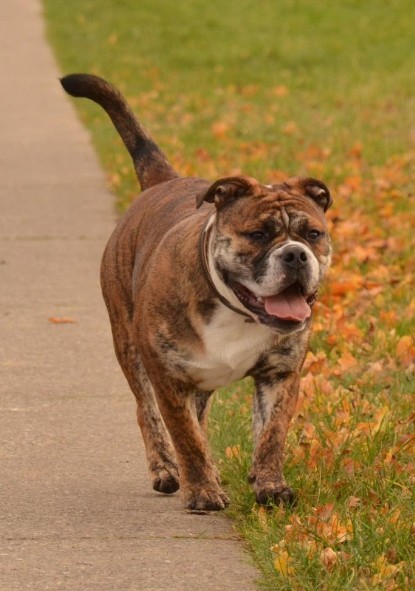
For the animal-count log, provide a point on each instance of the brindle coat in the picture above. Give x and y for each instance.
(171, 274)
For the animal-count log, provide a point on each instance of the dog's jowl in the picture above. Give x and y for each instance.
(206, 283)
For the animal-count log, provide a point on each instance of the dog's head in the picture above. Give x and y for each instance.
(270, 246)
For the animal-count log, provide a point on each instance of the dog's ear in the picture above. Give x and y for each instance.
(226, 190)
(318, 192)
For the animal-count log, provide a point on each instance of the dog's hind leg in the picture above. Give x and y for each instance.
(159, 449)
(160, 453)
(116, 289)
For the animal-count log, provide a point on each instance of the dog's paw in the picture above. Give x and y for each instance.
(275, 495)
(165, 480)
(203, 499)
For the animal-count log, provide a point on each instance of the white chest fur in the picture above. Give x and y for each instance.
(231, 347)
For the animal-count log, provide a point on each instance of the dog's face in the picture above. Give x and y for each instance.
(271, 246)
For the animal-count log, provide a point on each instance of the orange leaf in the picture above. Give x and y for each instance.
(61, 320)
(353, 502)
(280, 90)
(347, 361)
(354, 182)
(328, 558)
(356, 151)
(324, 512)
(290, 128)
(405, 349)
(352, 284)
(351, 466)
(220, 129)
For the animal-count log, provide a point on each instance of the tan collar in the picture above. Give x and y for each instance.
(203, 246)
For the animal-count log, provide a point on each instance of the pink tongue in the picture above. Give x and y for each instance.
(287, 306)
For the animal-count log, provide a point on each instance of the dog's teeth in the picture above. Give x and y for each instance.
(260, 300)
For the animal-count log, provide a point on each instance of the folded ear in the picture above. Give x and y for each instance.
(226, 190)
(318, 192)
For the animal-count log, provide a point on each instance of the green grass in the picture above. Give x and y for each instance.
(274, 89)
(247, 85)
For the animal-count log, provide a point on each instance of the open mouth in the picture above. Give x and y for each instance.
(288, 309)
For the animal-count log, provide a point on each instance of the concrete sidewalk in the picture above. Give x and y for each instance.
(77, 510)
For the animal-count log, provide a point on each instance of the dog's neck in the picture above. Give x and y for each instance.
(217, 286)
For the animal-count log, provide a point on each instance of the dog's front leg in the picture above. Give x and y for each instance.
(199, 481)
(274, 403)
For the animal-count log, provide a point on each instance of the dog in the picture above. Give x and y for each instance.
(206, 283)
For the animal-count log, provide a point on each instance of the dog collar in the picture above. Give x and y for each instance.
(203, 246)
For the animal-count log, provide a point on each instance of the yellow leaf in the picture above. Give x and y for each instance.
(384, 569)
(263, 518)
(233, 452)
(283, 564)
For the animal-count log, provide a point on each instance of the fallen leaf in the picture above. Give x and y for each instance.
(328, 558)
(262, 514)
(290, 128)
(220, 129)
(61, 320)
(324, 512)
(233, 452)
(347, 361)
(341, 288)
(405, 349)
(283, 564)
(353, 502)
(384, 570)
(330, 527)
(280, 90)
(353, 182)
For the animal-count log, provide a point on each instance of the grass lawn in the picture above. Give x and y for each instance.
(275, 89)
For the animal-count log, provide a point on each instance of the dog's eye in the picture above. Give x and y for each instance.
(258, 235)
(314, 235)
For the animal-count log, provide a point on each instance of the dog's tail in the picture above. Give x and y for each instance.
(150, 163)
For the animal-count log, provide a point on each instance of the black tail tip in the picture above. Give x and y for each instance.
(73, 83)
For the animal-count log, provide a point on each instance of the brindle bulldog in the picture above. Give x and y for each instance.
(205, 284)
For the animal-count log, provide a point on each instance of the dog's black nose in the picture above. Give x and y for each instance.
(294, 256)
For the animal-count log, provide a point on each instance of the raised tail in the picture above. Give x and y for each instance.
(150, 163)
